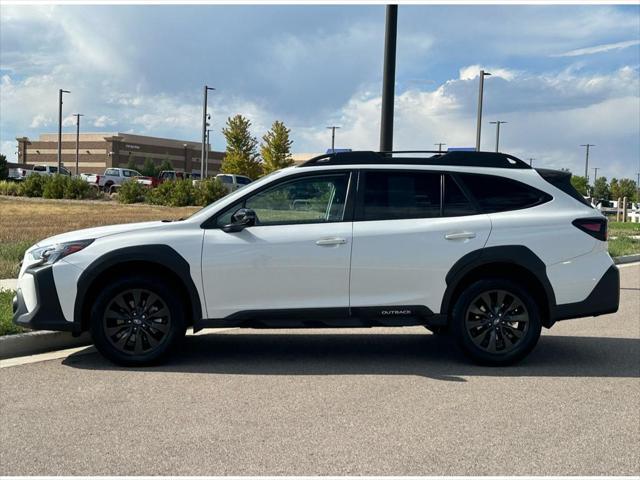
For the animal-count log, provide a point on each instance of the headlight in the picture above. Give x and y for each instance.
(52, 253)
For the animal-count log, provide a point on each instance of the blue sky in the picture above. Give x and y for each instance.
(563, 75)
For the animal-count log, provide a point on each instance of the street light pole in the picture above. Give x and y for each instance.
(480, 94)
(204, 129)
(497, 123)
(439, 146)
(586, 160)
(78, 115)
(388, 79)
(60, 92)
(595, 174)
(333, 129)
(206, 157)
(531, 161)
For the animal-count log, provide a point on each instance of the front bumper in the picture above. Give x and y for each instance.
(41, 311)
(603, 299)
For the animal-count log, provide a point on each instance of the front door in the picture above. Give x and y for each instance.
(296, 256)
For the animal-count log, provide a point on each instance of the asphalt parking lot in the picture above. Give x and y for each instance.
(332, 402)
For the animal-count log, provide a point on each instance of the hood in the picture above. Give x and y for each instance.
(98, 232)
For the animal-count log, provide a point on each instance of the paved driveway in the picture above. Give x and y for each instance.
(378, 401)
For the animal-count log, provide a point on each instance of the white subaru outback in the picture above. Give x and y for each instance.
(475, 244)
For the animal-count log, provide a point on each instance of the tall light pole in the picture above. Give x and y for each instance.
(206, 157)
(480, 94)
(586, 160)
(60, 92)
(531, 161)
(388, 79)
(595, 174)
(497, 123)
(78, 115)
(333, 129)
(204, 129)
(439, 146)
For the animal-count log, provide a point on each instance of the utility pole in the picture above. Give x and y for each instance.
(497, 123)
(439, 146)
(595, 174)
(531, 161)
(480, 94)
(78, 115)
(204, 129)
(388, 79)
(206, 157)
(333, 137)
(60, 92)
(586, 160)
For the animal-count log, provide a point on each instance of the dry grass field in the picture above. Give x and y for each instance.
(24, 221)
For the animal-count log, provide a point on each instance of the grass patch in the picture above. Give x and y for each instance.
(620, 241)
(6, 314)
(26, 221)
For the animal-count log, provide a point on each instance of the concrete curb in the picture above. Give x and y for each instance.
(627, 259)
(31, 343)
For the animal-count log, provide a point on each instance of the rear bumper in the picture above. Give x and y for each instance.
(42, 310)
(603, 299)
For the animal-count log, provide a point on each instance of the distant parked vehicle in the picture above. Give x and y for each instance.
(17, 174)
(233, 182)
(112, 178)
(48, 170)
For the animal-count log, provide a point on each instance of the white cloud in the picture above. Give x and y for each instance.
(40, 121)
(104, 121)
(473, 71)
(598, 49)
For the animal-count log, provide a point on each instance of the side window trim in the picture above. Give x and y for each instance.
(466, 192)
(211, 222)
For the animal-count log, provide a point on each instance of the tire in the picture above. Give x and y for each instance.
(137, 320)
(107, 187)
(496, 322)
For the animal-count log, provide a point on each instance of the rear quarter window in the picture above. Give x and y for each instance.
(498, 194)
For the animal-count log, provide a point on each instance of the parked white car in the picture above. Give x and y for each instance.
(112, 178)
(48, 170)
(476, 244)
(233, 182)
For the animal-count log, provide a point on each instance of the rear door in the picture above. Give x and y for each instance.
(410, 228)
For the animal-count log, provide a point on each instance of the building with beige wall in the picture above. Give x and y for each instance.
(98, 151)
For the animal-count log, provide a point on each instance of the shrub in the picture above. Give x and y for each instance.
(33, 185)
(209, 190)
(4, 168)
(55, 186)
(78, 189)
(15, 189)
(131, 192)
(161, 195)
(182, 194)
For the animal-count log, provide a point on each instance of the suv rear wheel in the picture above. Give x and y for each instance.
(496, 321)
(137, 320)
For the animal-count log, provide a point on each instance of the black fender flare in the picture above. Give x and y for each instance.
(162, 255)
(517, 255)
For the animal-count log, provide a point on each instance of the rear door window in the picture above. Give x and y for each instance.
(392, 195)
(499, 194)
(456, 203)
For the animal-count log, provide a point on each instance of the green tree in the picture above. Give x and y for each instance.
(4, 169)
(149, 168)
(276, 148)
(131, 165)
(601, 189)
(165, 165)
(624, 187)
(579, 183)
(241, 157)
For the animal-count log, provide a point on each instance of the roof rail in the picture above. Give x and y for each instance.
(453, 158)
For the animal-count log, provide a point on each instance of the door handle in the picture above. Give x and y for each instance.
(327, 242)
(460, 235)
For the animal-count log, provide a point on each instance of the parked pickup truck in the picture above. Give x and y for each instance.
(167, 175)
(17, 174)
(233, 182)
(112, 178)
(48, 170)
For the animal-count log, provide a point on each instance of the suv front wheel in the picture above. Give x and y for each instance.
(137, 320)
(496, 321)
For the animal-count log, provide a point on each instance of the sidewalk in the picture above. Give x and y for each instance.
(8, 284)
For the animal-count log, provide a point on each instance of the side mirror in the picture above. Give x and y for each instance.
(241, 219)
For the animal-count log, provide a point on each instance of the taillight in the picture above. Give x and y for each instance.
(596, 227)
